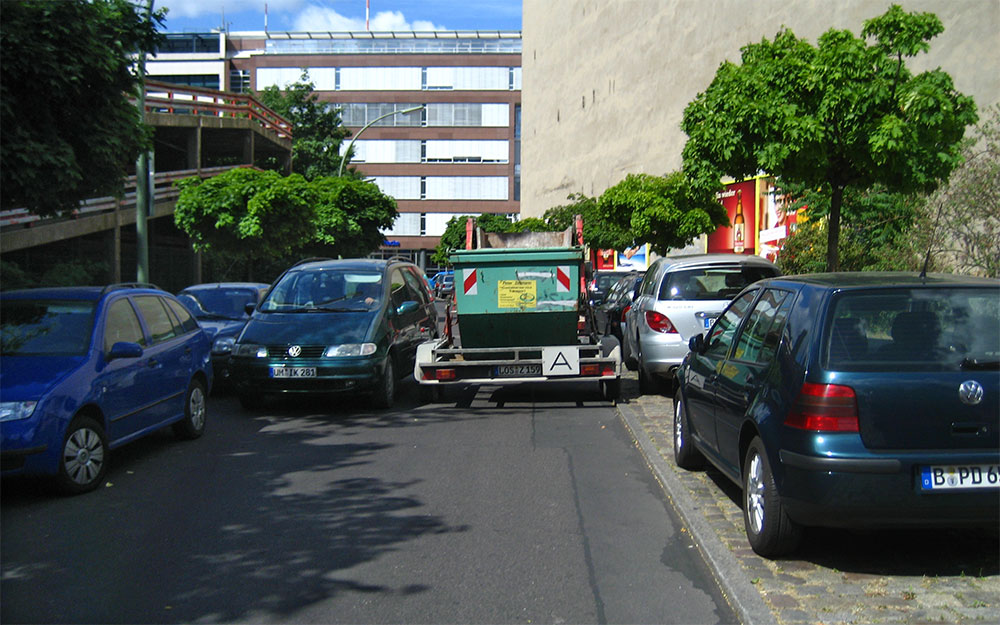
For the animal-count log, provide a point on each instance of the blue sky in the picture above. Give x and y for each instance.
(340, 15)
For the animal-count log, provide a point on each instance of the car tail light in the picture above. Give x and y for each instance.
(659, 322)
(445, 374)
(624, 312)
(824, 408)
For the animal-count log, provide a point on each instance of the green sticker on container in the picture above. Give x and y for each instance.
(516, 293)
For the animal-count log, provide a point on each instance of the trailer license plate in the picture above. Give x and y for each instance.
(293, 372)
(518, 371)
(960, 476)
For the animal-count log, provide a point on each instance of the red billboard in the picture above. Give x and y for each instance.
(740, 236)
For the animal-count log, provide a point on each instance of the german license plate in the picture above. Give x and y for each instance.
(518, 371)
(709, 321)
(293, 372)
(960, 476)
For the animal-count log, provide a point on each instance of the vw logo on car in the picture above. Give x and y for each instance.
(970, 392)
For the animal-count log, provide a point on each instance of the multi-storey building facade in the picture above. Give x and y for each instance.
(458, 154)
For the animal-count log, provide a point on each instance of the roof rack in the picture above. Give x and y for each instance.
(311, 260)
(129, 285)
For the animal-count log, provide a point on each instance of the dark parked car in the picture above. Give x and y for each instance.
(87, 369)
(610, 313)
(334, 326)
(849, 400)
(221, 310)
(601, 282)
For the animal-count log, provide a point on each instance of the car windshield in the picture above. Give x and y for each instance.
(227, 303)
(325, 290)
(937, 329)
(45, 327)
(711, 283)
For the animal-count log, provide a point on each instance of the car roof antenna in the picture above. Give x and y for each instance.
(927, 259)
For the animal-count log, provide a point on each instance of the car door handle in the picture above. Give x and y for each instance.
(151, 363)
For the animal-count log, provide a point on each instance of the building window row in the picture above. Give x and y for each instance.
(374, 45)
(426, 224)
(207, 81)
(429, 151)
(440, 114)
(444, 187)
(394, 78)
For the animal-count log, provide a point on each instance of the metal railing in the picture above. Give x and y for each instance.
(164, 97)
(163, 190)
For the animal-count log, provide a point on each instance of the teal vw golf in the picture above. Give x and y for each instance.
(334, 326)
(849, 400)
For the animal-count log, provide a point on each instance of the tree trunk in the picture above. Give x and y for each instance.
(833, 230)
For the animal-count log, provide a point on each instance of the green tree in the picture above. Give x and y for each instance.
(840, 115)
(563, 216)
(316, 127)
(664, 211)
(246, 216)
(69, 130)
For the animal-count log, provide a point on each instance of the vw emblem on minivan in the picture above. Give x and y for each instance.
(296, 350)
(970, 392)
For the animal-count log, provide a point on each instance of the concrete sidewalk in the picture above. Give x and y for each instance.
(836, 576)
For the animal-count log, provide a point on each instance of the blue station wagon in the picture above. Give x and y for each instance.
(849, 400)
(87, 369)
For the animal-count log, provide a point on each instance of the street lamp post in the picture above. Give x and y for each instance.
(347, 152)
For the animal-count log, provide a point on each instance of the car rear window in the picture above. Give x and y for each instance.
(926, 328)
(225, 302)
(45, 327)
(711, 283)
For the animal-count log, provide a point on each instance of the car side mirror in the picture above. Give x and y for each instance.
(697, 343)
(407, 307)
(123, 349)
(250, 307)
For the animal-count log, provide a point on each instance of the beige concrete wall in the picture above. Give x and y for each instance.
(605, 82)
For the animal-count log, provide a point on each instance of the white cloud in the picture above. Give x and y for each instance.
(197, 8)
(322, 19)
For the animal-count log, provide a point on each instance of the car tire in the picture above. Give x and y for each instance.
(384, 394)
(770, 532)
(83, 459)
(631, 363)
(686, 455)
(195, 412)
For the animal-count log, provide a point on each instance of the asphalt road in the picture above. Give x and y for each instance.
(498, 506)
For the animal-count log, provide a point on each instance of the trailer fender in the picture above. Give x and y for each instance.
(425, 355)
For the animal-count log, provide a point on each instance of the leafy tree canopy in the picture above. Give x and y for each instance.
(246, 214)
(664, 211)
(69, 130)
(842, 114)
(316, 127)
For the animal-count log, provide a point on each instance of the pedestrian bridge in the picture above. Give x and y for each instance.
(196, 132)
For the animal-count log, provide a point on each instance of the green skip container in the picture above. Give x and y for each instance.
(518, 296)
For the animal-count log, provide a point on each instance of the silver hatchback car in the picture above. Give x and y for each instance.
(679, 298)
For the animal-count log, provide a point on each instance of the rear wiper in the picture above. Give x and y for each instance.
(980, 365)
